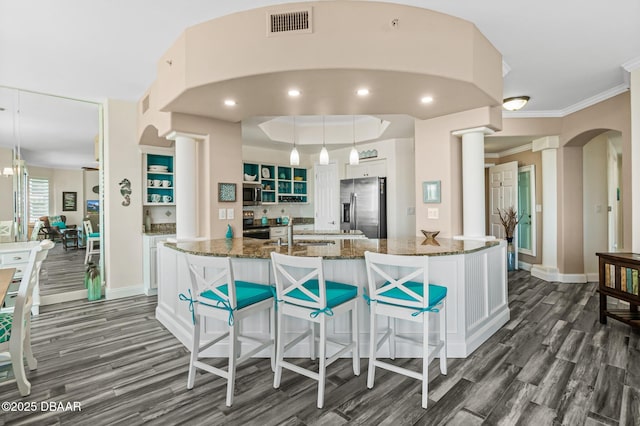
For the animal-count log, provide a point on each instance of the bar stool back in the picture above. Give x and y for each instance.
(215, 294)
(399, 288)
(303, 293)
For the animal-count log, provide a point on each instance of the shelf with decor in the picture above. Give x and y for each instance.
(618, 278)
(280, 183)
(158, 179)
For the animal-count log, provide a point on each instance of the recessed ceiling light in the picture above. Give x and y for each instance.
(426, 100)
(515, 103)
(362, 92)
(293, 93)
(229, 102)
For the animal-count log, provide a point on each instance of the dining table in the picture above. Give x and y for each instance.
(6, 276)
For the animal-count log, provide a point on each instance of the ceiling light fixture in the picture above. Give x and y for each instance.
(426, 100)
(229, 102)
(354, 157)
(363, 92)
(294, 158)
(324, 154)
(515, 103)
(294, 93)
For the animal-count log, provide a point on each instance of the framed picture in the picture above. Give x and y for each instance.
(227, 192)
(431, 191)
(69, 201)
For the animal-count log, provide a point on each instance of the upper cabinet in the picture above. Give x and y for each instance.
(367, 169)
(158, 179)
(280, 184)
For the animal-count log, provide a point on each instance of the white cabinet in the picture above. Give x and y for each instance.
(305, 227)
(150, 262)
(158, 179)
(276, 232)
(16, 255)
(367, 169)
(280, 184)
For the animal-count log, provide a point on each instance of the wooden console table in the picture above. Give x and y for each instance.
(618, 273)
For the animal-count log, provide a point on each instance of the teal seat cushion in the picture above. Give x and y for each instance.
(436, 293)
(337, 293)
(94, 235)
(6, 320)
(246, 293)
(59, 225)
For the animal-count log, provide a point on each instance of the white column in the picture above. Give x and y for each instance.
(185, 185)
(549, 269)
(473, 195)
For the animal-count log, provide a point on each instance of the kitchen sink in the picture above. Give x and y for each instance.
(301, 243)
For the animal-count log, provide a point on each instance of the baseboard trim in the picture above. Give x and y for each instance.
(524, 265)
(553, 275)
(63, 297)
(121, 292)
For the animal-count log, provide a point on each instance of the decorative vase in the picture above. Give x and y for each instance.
(229, 232)
(511, 255)
(92, 280)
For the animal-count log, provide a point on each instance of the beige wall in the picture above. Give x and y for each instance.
(62, 180)
(594, 207)
(438, 156)
(123, 224)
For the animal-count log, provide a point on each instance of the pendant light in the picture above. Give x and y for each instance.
(354, 158)
(294, 158)
(324, 154)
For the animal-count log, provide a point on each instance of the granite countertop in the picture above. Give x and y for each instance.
(336, 249)
(338, 232)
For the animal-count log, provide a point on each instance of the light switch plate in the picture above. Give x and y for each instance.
(230, 214)
(222, 214)
(432, 213)
(538, 208)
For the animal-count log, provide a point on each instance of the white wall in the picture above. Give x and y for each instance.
(594, 157)
(6, 185)
(123, 224)
(401, 203)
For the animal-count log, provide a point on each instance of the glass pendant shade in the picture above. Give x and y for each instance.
(324, 156)
(354, 158)
(294, 158)
(515, 103)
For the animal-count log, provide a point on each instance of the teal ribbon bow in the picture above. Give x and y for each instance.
(368, 299)
(423, 310)
(226, 306)
(326, 310)
(189, 299)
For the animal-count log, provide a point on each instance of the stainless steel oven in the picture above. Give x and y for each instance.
(259, 232)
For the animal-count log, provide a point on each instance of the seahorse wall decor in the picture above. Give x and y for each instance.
(125, 190)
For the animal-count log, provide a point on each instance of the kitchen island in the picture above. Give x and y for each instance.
(474, 273)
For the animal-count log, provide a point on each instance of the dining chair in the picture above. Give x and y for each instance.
(399, 288)
(303, 293)
(215, 294)
(6, 231)
(15, 328)
(93, 238)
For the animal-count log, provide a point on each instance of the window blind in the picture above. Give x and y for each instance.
(38, 198)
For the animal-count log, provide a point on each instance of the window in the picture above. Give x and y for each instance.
(38, 198)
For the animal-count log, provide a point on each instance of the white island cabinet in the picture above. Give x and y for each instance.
(474, 273)
(150, 261)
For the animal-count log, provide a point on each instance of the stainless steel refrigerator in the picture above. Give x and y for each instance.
(363, 205)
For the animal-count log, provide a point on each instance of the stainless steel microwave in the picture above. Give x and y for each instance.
(251, 194)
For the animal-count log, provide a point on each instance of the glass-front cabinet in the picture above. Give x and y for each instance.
(280, 184)
(159, 180)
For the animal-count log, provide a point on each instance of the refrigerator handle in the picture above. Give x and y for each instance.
(354, 212)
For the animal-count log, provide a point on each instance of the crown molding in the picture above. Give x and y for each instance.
(510, 151)
(505, 68)
(630, 65)
(602, 96)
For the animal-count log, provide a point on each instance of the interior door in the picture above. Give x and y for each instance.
(503, 184)
(327, 197)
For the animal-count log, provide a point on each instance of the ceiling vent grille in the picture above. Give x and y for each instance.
(292, 22)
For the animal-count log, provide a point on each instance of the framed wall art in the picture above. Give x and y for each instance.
(226, 192)
(431, 191)
(69, 201)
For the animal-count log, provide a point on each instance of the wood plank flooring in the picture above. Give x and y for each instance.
(63, 271)
(552, 364)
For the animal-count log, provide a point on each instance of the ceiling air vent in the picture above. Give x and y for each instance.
(292, 22)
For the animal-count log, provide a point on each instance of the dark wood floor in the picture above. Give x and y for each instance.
(63, 271)
(553, 363)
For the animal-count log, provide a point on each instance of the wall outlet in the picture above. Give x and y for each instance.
(230, 214)
(222, 214)
(433, 213)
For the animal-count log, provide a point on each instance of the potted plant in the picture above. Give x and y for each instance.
(509, 218)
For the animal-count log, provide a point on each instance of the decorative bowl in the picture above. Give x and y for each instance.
(249, 178)
(430, 234)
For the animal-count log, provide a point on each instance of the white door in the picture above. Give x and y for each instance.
(327, 197)
(503, 193)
